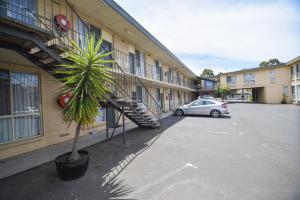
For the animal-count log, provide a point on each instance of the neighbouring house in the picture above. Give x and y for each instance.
(295, 78)
(270, 84)
(150, 79)
(207, 86)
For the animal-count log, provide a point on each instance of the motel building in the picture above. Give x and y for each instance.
(269, 84)
(32, 34)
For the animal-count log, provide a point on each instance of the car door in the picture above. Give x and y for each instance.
(207, 107)
(196, 107)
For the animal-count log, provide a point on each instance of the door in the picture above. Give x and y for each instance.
(171, 103)
(196, 108)
(158, 96)
(138, 62)
(131, 63)
(139, 93)
(111, 118)
(157, 70)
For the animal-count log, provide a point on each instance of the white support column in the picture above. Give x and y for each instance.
(294, 80)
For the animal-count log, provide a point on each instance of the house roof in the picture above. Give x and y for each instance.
(254, 69)
(293, 61)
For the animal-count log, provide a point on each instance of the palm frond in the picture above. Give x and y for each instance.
(85, 79)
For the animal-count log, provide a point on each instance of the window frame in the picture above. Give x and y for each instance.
(285, 90)
(231, 83)
(272, 75)
(12, 116)
(249, 78)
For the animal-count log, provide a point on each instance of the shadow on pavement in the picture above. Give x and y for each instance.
(107, 160)
(208, 116)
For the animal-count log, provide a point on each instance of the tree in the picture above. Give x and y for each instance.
(84, 79)
(270, 62)
(222, 91)
(207, 73)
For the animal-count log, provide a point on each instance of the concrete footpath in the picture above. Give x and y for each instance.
(38, 157)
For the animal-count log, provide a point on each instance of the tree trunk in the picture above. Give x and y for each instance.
(74, 155)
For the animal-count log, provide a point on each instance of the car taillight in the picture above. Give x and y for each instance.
(224, 105)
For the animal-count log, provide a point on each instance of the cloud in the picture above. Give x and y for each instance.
(232, 30)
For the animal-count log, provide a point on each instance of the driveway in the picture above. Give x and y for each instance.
(254, 154)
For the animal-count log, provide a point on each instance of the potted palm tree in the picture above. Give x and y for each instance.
(83, 79)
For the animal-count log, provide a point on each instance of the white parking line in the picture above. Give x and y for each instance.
(162, 178)
(219, 132)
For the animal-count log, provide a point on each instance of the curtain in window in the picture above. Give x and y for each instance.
(82, 30)
(26, 101)
(106, 47)
(27, 126)
(25, 89)
(102, 116)
(4, 92)
(6, 134)
(22, 10)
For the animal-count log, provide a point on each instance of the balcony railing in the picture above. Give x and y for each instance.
(22, 15)
(249, 82)
(295, 77)
(231, 84)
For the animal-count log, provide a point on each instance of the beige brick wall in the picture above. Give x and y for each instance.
(54, 128)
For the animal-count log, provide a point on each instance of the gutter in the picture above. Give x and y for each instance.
(138, 26)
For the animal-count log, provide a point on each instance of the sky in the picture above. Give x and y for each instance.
(222, 35)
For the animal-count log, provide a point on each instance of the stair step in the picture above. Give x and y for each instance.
(58, 48)
(41, 55)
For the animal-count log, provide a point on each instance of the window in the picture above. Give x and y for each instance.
(209, 84)
(272, 75)
(285, 90)
(82, 28)
(106, 47)
(197, 103)
(249, 79)
(21, 10)
(208, 102)
(231, 80)
(102, 116)
(20, 116)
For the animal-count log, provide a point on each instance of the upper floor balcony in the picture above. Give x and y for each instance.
(231, 84)
(24, 15)
(133, 65)
(295, 76)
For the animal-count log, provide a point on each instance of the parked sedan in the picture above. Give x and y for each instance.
(203, 107)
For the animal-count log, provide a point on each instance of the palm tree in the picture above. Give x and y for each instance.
(84, 79)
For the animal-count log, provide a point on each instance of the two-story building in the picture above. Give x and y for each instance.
(32, 35)
(262, 85)
(269, 84)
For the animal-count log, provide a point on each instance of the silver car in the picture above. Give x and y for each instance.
(203, 107)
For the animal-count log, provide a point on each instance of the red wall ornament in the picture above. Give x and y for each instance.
(62, 23)
(63, 100)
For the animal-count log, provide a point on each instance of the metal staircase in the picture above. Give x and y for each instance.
(43, 45)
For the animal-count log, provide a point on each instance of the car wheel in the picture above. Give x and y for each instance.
(179, 112)
(215, 113)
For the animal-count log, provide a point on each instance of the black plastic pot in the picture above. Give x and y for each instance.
(70, 170)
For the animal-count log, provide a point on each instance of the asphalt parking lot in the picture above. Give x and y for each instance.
(251, 154)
